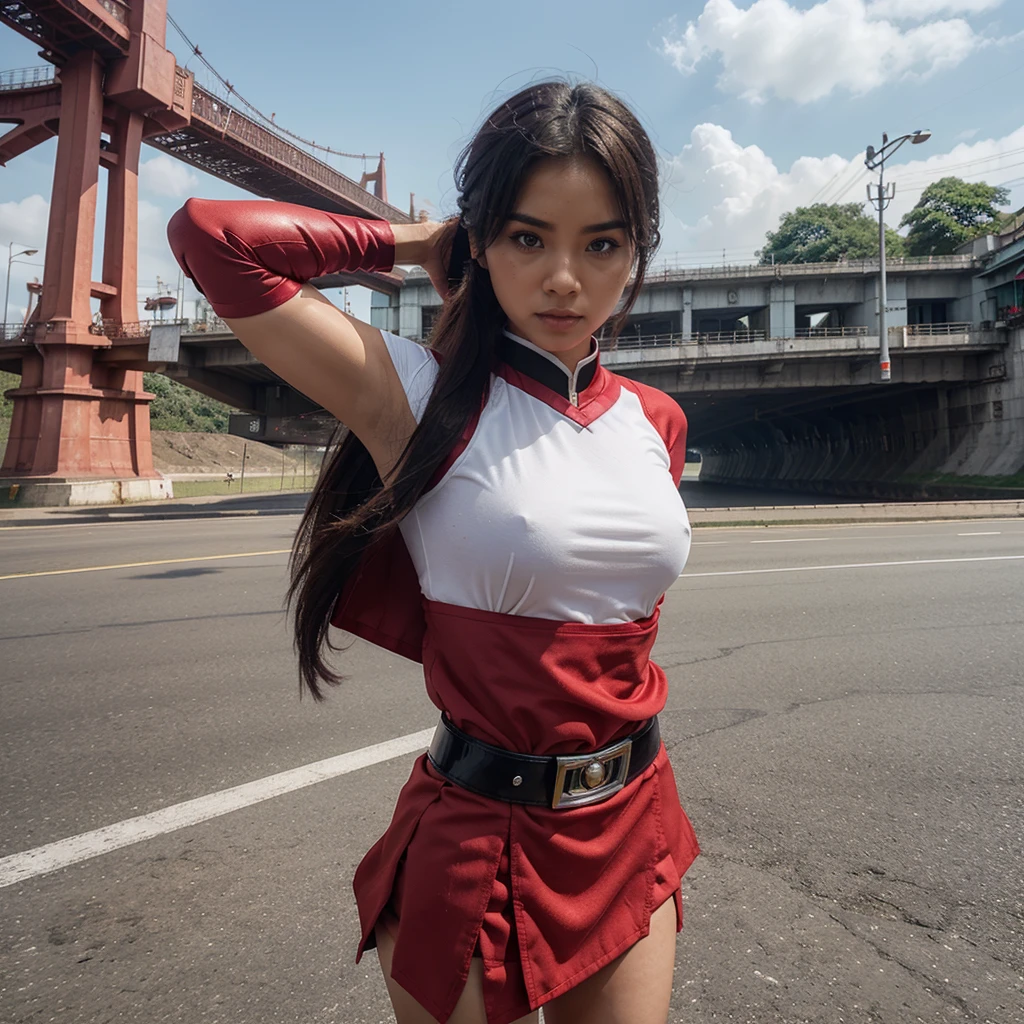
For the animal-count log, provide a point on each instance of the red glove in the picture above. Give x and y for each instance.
(247, 256)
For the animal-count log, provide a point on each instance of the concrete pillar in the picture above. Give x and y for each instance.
(686, 320)
(76, 417)
(411, 303)
(67, 274)
(782, 310)
(896, 301)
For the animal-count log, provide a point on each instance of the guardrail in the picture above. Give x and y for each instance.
(138, 329)
(118, 9)
(663, 340)
(804, 333)
(668, 268)
(226, 123)
(11, 332)
(215, 325)
(951, 328)
(28, 78)
(831, 332)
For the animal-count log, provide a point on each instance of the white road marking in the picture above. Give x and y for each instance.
(887, 524)
(791, 540)
(128, 519)
(135, 565)
(53, 856)
(850, 565)
(982, 533)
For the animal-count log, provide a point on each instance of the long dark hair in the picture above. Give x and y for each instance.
(350, 505)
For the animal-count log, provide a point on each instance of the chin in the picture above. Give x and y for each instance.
(553, 342)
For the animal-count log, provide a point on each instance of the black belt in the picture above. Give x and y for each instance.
(560, 781)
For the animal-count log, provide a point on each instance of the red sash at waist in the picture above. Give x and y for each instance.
(538, 686)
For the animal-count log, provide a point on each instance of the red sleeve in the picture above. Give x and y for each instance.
(667, 418)
(248, 256)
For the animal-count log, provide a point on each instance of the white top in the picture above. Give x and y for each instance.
(541, 516)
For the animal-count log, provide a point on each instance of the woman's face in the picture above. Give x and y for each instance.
(564, 250)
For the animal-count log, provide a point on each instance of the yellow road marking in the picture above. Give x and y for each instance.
(136, 565)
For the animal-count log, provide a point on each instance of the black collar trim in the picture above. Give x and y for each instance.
(528, 359)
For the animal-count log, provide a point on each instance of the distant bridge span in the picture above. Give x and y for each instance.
(81, 413)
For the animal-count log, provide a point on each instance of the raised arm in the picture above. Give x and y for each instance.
(252, 259)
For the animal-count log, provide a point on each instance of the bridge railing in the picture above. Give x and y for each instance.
(118, 9)
(139, 329)
(627, 341)
(682, 267)
(11, 332)
(950, 328)
(831, 332)
(746, 337)
(230, 122)
(27, 78)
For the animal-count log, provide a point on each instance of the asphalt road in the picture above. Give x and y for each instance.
(845, 723)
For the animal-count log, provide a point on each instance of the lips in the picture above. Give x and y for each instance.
(559, 321)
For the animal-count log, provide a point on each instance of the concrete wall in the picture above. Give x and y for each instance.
(883, 445)
(988, 439)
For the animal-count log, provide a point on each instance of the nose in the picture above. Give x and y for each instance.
(561, 277)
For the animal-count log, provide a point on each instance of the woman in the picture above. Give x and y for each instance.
(507, 511)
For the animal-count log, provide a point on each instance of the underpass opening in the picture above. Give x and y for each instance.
(899, 442)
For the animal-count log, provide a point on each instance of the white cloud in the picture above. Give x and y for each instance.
(165, 176)
(918, 10)
(720, 195)
(155, 259)
(776, 48)
(24, 223)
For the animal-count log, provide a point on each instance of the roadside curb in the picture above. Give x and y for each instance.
(204, 507)
(209, 507)
(880, 512)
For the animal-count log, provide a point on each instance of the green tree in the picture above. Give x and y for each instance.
(7, 381)
(826, 232)
(952, 211)
(177, 407)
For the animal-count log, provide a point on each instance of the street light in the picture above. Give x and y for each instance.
(876, 158)
(7, 291)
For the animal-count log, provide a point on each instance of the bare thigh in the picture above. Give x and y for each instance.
(468, 1010)
(635, 988)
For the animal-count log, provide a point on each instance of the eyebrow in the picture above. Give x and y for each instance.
(607, 225)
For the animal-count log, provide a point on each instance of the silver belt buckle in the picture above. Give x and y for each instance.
(592, 777)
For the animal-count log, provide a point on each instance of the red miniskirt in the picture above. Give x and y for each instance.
(545, 897)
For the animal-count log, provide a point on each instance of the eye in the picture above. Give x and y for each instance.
(611, 244)
(533, 242)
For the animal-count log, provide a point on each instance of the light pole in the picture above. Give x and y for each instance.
(876, 158)
(11, 256)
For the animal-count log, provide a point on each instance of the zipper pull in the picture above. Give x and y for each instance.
(574, 399)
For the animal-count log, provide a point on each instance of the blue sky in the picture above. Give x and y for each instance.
(755, 106)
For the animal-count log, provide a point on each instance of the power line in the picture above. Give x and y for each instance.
(858, 178)
(832, 194)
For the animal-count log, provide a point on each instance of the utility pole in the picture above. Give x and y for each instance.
(881, 201)
(876, 158)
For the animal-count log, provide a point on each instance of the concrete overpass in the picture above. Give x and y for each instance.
(784, 390)
(805, 411)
